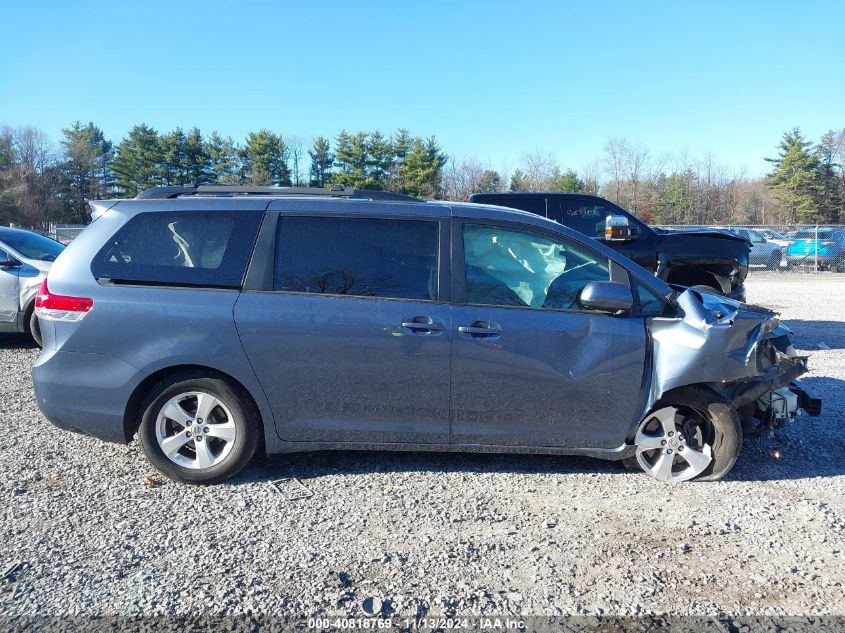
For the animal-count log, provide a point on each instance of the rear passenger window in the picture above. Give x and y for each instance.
(584, 216)
(185, 248)
(364, 257)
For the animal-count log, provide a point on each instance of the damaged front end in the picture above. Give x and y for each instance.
(740, 351)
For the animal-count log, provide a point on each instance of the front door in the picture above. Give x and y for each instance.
(353, 343)
(530, 366)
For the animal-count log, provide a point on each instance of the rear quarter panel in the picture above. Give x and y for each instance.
(150, 328)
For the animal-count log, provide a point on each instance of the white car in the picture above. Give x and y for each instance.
(25, 258)
(778, 238)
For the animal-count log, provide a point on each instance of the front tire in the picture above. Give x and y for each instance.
(693, 433)
(198, 429)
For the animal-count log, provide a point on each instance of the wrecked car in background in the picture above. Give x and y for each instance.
(307, 319)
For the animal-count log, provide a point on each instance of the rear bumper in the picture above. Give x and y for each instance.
(808, 400)
(85, 393)
(809, 258)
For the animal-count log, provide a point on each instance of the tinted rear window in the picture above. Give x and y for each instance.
(364, 257)
(185, 248)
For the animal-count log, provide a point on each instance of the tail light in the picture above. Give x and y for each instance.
(55, 307)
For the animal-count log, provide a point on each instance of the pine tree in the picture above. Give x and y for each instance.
(490, 181)
(172, 147)
(137, 163)
(830, 195)
(321, 162)
(85, 170)
(351, 158)
(519, 181)
(265, 159)
(195, 164)
(379, 159)
(421, 171)
(568, 181)
(222, 159)
(795, 178)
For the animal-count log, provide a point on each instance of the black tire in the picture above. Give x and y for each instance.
(245, 418)
(774, 262)
(31, 324)
(725, 428)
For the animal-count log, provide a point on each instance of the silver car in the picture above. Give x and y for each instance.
(25, 258)
(764, 252)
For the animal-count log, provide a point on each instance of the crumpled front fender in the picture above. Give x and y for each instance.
(736, 348)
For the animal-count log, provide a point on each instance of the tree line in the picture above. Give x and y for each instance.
(806, 184)
(41, 182)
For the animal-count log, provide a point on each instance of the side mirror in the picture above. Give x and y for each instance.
(607, 296)
(617, 228)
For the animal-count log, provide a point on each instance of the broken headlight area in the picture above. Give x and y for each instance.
(740, 351)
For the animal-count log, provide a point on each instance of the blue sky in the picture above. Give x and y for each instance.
(491, 80)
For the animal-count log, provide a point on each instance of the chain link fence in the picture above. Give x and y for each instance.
(793, 247)
(64, 233)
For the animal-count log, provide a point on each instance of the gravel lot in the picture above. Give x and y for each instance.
(82, 533)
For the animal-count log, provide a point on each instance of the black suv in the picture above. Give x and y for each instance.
(710, 258)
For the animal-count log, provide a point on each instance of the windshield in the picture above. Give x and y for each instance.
(32, 245)
(812, 234)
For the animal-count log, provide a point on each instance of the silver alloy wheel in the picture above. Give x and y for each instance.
(195, 430)
(663, 451)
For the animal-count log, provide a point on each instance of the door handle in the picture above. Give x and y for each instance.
(422, 325)
(480, 329)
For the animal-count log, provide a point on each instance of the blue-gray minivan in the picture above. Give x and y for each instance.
(214, 321)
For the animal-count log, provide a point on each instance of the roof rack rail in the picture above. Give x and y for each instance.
(191, 189)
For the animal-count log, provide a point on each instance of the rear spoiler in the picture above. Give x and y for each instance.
(98, 207)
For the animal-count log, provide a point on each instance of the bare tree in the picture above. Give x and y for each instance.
(615, 151)
(295, 146)
(540, 169)
(31, 180)
(462, 177)
(635, 159)
(591, 176)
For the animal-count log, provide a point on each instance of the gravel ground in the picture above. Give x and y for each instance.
(82, 533)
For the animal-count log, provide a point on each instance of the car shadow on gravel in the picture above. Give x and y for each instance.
(16, 341)
(807, 335)
(322, 463)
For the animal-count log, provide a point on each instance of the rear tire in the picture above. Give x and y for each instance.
(31, 324)
(189, 448)
(714, 425)
(774, 262)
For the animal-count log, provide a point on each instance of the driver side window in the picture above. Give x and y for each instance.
(513, 267)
